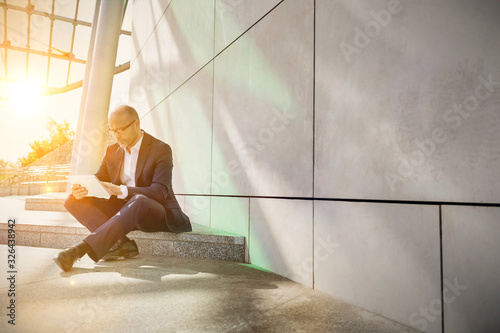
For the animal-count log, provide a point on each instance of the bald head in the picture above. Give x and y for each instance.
(125, 126)
(124, 112)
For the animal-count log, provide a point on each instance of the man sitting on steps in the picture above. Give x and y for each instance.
(137, 171)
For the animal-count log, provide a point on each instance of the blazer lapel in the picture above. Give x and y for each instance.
(143, 155)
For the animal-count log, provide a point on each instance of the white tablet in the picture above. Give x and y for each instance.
(93, 185)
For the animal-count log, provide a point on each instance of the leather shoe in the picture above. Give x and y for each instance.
(66, 259)
(126, 249)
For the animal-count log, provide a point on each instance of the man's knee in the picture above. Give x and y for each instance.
(70, 202)
(141, 204)
(140, 199)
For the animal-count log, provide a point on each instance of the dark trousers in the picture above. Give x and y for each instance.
(111, 220)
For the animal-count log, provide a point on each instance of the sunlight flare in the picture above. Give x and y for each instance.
(25, 96)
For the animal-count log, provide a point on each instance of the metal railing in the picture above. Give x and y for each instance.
(31, 175)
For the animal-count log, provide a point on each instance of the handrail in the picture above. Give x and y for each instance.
(34, 174)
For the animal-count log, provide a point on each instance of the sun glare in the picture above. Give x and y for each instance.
(24, 96)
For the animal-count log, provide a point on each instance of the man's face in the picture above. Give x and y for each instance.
(126, 131)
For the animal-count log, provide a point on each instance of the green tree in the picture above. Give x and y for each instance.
(59, 134)
(4, 166)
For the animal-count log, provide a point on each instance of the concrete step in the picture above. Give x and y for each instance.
(48, 202)
(55, 229)
(31, 189)
(202, 242)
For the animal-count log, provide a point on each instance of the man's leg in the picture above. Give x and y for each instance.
(93, 212)
(139, 213)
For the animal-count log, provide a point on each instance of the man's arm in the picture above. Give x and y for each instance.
(79, 192)
(159, 187)
(161, 180)
(102, 172)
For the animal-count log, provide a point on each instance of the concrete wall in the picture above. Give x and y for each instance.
(355, 144)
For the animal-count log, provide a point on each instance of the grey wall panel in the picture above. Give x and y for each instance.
(181, 199)
(156, 10)
(281, 237)
(198, 209)
(138, 94)
(157, 68)
(184, 121)
(232, 215)
(191, 24)
(263, 107)
(141, 25)
(471, 263)
(404, 109)
(232, 18)
(382, 257)
(145, 16)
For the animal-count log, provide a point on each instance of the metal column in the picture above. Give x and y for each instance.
(90, 147)
(85, 88)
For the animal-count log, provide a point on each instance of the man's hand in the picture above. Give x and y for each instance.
(79, 192)
(112, 188)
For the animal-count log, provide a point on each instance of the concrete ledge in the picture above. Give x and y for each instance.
(43, 204)
(42, 221)
(202, 242)
(31, 189)
(51, 202)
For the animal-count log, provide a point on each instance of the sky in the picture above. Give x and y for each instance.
(24, 121)
(18, 127)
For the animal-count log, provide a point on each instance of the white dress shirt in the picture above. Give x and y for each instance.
(129, 166)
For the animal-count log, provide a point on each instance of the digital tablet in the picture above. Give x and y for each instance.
(93, 185)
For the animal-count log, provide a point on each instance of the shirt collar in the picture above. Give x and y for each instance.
(137, 146)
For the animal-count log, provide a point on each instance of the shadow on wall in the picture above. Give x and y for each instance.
(406, 110)
(407, 107)
(262, 111)
(386, 122)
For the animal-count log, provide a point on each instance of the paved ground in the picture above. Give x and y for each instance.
(13, 206)
(161, 294)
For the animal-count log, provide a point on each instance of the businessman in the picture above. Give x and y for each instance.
(137, 171)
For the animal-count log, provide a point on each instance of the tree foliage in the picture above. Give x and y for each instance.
(6, 164)
(59, 134)
(4, 168)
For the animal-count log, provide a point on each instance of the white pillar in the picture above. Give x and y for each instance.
(91, 142)
(85, 88)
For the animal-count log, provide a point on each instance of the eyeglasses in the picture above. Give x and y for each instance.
(119, 130)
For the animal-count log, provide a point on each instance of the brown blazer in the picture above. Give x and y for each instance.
(153, 177)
